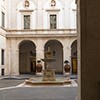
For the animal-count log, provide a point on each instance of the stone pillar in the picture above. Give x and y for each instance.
(15, 67)
(89, 38)
(66, 55)
(8, 61)
(40, 55)
(12, 67)
(12, 58)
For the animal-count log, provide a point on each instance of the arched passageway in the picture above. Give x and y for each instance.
(74, 57)
(27, 57)
(56, 49)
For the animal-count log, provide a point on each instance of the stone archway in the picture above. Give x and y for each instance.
(27, 57)
(74, 57)
(57, 51)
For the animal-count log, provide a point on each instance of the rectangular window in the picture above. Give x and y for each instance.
(3, 19)
(26, 21)
(2, 57)
(2, 72)
(53, 21)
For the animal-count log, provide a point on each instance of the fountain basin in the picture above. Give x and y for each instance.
(40, 82)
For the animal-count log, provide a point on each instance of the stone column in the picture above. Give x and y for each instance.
(12, 58)
(40, 55)
(13, 62)
(66, 55)
(8, 61)
(15, 67)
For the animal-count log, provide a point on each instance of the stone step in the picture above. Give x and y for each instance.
(35, 83)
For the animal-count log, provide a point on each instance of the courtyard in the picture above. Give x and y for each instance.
(14, 88)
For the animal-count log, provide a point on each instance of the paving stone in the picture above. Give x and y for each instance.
(39, 93)
(10, 89)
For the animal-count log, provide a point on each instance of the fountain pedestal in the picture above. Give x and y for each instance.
(48, 72)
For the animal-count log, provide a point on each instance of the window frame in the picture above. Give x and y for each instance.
(3, 19)
(2, 56)
(26, 22)
(53, 12)
(54, 25)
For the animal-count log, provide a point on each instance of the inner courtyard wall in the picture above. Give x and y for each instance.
(40, 11)
(12, 65)
(2, 49)
(39, 33)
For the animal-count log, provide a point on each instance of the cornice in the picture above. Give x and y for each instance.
(40, 35)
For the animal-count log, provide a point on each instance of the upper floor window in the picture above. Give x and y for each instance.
(3, 19)
(53, 21)
(26, 21)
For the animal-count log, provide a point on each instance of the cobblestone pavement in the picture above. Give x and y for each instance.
(10, 89)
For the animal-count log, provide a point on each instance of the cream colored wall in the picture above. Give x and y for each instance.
(2, 9)
(73, 15)
(39, 11)
(2, 36)
(13, 51)
(2, 42)
(2, 46)
(39, 15)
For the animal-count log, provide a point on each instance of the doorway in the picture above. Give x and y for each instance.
(74, 57)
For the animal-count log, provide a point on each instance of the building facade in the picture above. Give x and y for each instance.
(29, 27)
(2, 36)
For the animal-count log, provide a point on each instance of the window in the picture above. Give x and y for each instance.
(26, 21)
(53, 21)
(2, 57)
(3, 19)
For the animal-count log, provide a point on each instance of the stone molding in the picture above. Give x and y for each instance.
(53, 10)
(40, 35)
(2, 32)
(26, 10)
